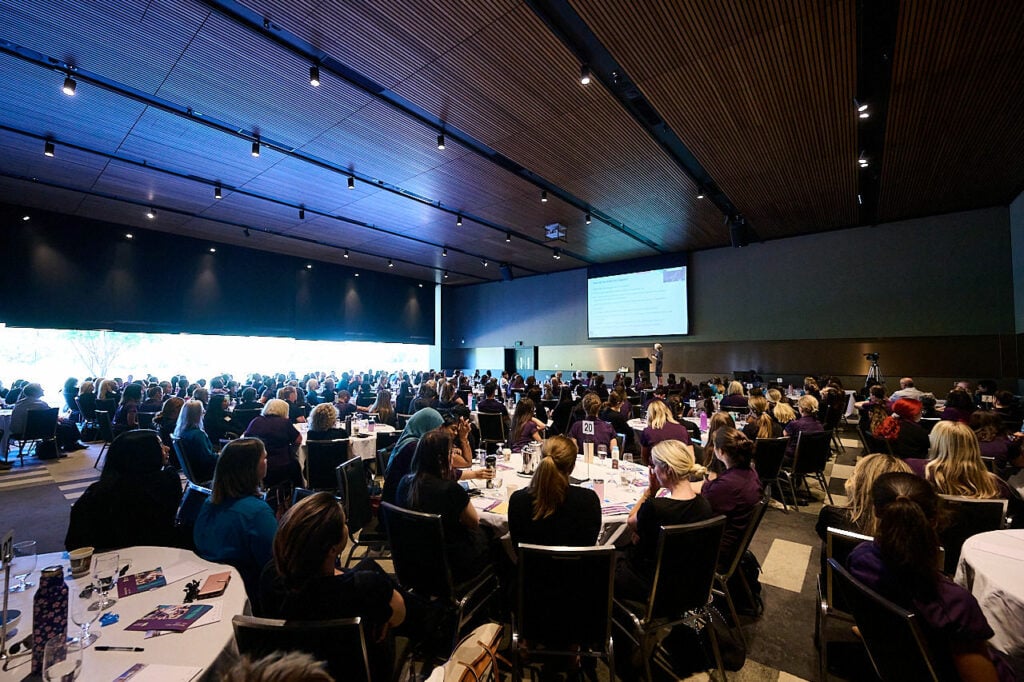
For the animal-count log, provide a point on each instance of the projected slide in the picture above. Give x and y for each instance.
(651, 303)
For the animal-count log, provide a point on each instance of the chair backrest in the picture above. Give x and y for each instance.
(299, 494)
(565, 590)
(322, 458)
(895, 643)
(240, 420)
(351, 479)
(186, 465)
(365, 399)
(756, 516)
(417, 549)
(636, 411)
(686, 562)
(928, 423)
(40, 424)
(839, 544)
(103, 424)
(191, 502)
(339, 643)
(874, 444)
(87, 414)
(492, 427)
(768, 456)
(812, 451)
(968, 516)
(145, 419)
(108, 405)
(401, 420)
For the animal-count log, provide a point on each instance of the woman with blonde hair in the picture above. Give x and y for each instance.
(322, 422)
(734, 396)
(760, 423)
(955, 467)
(193, 443)
(670, 470)
(783, 413)
(273, 427)
(550, 511)
(661, 426)
(808, 421)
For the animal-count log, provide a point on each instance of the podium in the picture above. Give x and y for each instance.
(641, 364)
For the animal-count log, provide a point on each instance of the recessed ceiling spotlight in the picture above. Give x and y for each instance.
(213, 249)
(345, 255)
(586, 219)
(356, 274)
(444, 251)
(217, 193)
(508, 237)
(700, 193)
(421, 285)
(440, 141)
(864, 114)
(26, 218)
(314, 76)
(446, 274)
(129, 235)
(309, 266)
(351, 182)
(544, 195)
(390, 264)
(48, 149)
(584, 75)
(69, 86)
(255, 147)
(484, 262)
(557, 254)
(150, 214)
(458, 221)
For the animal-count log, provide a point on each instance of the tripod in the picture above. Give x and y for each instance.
(874, 373)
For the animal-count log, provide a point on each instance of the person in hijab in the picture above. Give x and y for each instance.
(400, 463)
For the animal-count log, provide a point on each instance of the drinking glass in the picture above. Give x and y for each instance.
(61, 663)
(105, 570)
(23, 564)
(85, 609)
(602, 454)
(626, 468)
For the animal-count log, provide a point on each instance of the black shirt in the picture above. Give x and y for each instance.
(661, 511)
(577, 522)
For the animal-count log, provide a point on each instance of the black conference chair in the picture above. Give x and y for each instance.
(768, 456)
(106, 430)
(188, 511)
(681, 591)
(240, 420)
(363, 527)
(563, 604)
(40, 425)
(968, 516)
(492, 428)
(339, 643)
(810, 458)
(831, 604)
(729, 566)
(322, 458)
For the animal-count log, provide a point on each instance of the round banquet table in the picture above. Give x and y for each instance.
(200, 646)
(991, 566)
(364, 444)
(622, 488)
(639, 425)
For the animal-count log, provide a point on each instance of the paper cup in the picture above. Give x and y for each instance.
(81, 560)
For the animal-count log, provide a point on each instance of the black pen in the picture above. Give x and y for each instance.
(118, 648)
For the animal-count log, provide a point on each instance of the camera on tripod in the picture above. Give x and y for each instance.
(871, 357)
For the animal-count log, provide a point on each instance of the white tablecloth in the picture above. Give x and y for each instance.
(992, 568)
(199, 646)
(5, 424)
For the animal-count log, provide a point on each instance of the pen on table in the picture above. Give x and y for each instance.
(118, 648)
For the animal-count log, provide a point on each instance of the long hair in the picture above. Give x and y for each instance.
(237, 472)
(382, 406)
(736, 446)
(956, 467)
(551, 479)
(522, 416)
(305, 537)
(759, 406)
(658, 414)
(132, 393)
(677, 458)
(858, 488)
(133, 453)
(719, 420)
(907, 509)
(903, 409)
(190, 417)
(784, 413)
(431, 459)
(987, 426)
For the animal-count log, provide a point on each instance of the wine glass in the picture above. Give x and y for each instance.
(61, 663)
(626, 468)
(85, 609)
(23, 565)
(105, 569)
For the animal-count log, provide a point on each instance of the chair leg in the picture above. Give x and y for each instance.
(782, 496)
(96, 464)
(717, 652)
(821, 482)
(732, 607)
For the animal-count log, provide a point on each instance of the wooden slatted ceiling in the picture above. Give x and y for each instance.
(760, 92)
(954, 135)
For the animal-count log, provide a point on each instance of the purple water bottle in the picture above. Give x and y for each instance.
(49, 613)
(703, 420)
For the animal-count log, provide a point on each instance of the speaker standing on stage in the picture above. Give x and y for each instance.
(656, 357)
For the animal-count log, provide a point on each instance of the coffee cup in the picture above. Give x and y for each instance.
(81, 560)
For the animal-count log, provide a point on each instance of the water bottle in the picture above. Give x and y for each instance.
(49, 613)
(703, 420)
(615, 456)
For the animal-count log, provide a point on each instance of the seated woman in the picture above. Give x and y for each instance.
(430, 488)
(735, 492)
(86, 400)
(550, 511)
(671, 467)
(611, 412)
(400, 462)
(760, 423)
(561, 413)
(808, 421)
(166, 419)
(249, 400)
(734, 396)
(526, 428)
(134, 501)
(303, 582)
(322, 422)
(661, 426)
(235, 526)
(447, 397)
(591, 429)
(126, 417)
(995, 442)
(278, 435)
(383, 409)
(194, 443)
(873, 410)
(959, 406)
(901, 565)
(905, 436)
(217, 422)
(535, 394)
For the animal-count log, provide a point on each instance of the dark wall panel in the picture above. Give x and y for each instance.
(71, 273)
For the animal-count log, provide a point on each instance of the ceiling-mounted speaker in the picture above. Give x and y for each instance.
(506, 273)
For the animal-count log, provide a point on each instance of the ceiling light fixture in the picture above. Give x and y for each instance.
(421, 285)
(544, 195)
(345, 255)
(245, 231)
(129, 235)
(862, 160)
(444, 252)
(314, 76)
(390, 264)
(26, 218)
(351, 182)
(446, 274)
(356, 274)
(309, 266)
(586, 219)
(440, 141)
(458, 221)
(150, 214)
(508, 237)
(584, 75)
(484, 262)
(302, 213)
(217, 193)
(213, 249)
(69, 86)
(255, 147)
(557, 254)
(48, 149)
(700, 193)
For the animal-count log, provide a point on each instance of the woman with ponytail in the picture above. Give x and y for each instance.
(671, 467)
(550, 511)
(906, 437)
(736, 491)
(760, 423)
(901, 564)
